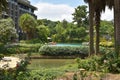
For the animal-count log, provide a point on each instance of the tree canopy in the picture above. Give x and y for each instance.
(7, 30)
(80, 15)
(28, 24)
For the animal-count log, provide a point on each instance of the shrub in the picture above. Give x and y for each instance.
(1, 56)
(68, 51)
(20, 48)
(90, 64)
(106, 44)
(32, 41)
(105, 63)
(111, 62)
(43, 74)
(63, 51)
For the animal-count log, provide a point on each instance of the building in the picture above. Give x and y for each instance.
(16, 8)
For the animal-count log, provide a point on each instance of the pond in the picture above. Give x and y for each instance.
(49, 63)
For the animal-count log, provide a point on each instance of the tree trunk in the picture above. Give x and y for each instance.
(117, 25)
(28, 35)
(97, 19)
(115, 32)
(91, 29)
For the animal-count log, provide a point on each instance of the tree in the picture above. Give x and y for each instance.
(106, 28)
(97, 27)
(77, 34)
(91, 29)
(116, 5)
(28, 24)
(60, 33)
(39, 22)
(117, 25)
(59, 29)
(96, 12)
(51, 25)
(7, 30)
(80, 15)
(64, 24)
(42, 32)
(81, 33)
(3, 6)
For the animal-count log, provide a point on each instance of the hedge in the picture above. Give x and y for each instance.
(63, 50)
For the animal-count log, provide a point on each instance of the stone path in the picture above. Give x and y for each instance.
(9, 62)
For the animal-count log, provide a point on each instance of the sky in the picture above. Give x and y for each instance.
(61, 9)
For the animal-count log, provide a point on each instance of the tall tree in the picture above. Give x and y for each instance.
(97, 27)
(91, 29)
(28, 24)
(80, 15)
(98, 9)
(97, 12)
(117, 25)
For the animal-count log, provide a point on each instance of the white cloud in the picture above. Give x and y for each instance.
(54, 11)
(108, 15)
(57, 12)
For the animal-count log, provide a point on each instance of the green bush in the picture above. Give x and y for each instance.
(106, 63)
(90, 64)
(20, 48)
(111, 62)
(67, 50)
(43, 75)
(63, 51)
(33, 41)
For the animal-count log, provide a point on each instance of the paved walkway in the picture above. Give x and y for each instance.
(9, 62)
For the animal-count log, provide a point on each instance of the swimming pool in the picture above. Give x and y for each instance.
(67, 44)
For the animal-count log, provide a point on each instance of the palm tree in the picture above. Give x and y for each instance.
(28, 24)
(91, 29)
(117, 25)
(3, 6)
(98, 9)
(95, 11)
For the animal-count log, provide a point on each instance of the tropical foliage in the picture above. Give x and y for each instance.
(42, 32)
(80, 16)
(7, 30)
(28, 24)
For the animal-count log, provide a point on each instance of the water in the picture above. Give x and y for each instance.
(49, 63)
(67, 44)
